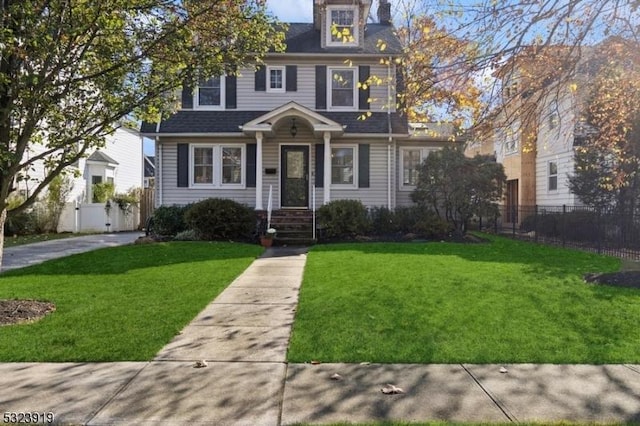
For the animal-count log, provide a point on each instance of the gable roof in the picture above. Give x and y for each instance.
(101, 157)
(304, 38)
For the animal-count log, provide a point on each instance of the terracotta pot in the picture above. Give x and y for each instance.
(266, 241)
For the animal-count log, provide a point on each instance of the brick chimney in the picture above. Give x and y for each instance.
(384, 12)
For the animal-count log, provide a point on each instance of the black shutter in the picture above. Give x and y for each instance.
(319, 165)
(187, 97)
(261, 79)
(230, 87)
(292, 78)
(321, 87)
(363, 94)
(363, 165)
(183, 165)
(251, 165)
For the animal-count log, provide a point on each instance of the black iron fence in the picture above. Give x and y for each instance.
(604, 230)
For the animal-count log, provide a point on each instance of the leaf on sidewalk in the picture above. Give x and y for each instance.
(200, 364)
(315, 362)
(336, 376)
(391, 389)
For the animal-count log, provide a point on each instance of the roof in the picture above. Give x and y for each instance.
(304, 38)
(101, 157)
(198, 122)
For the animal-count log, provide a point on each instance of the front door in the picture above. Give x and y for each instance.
(295, 176)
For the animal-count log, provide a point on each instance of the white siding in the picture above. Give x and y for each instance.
(555, 144)
(251, 100)
(126, 148)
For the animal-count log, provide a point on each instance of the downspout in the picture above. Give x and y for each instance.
(158, 172)
(390, 139)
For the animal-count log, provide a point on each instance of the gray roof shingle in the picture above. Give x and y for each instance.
(198, 122)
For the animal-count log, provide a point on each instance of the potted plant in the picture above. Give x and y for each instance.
(266, 239)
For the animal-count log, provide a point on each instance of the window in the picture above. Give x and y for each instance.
(343, 165)
(553, 115)
(342, 26)
(217, 165)
(231, 165)
(210, 93)
(411, 159)
(553, 176)
(203, 165)
(343, 91)
(276, 79)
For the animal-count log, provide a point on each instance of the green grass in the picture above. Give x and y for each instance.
(501, 302)
(118, 304)
(18, 240)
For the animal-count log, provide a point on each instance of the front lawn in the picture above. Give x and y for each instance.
(501, 302)
(118, 304)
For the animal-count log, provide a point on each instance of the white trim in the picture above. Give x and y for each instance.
(354, 184)
(284, 78)
(330, 106)
(216, 173)
(355, 25)
(280, 145)
(196, 97)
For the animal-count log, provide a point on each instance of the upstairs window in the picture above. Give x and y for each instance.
(342, 26)
(276, 77)
(553, 115)
(210, 93)
(343, 93)
(553, 176)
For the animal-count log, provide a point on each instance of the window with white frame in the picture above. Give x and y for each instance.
(411, 159)
(217, 165)
(343, 165)
(342, 26)
(210, 93)
(553, 176)
(343, 92)
(276, 81)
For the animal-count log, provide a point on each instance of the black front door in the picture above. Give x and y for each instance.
(295, 176)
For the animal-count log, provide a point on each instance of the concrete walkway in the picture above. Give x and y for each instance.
(31, 254)
(243, 336)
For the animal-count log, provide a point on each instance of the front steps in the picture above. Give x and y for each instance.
(293, 227)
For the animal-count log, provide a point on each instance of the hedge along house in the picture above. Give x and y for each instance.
(315, 123)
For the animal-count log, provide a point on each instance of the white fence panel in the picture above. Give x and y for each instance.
(93, 217)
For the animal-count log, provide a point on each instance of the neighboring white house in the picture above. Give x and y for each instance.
(120, 161)
(305, 125)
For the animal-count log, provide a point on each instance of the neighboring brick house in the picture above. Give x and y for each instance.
(296, 124)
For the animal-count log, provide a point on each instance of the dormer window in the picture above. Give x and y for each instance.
(210, 93)
(342, 26)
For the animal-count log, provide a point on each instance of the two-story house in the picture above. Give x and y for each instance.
(316, 122)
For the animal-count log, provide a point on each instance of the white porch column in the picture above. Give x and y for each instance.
(259, 171)
(327, 167)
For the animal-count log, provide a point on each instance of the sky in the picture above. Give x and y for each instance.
(292, 10)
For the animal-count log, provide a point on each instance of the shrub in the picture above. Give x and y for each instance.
(126, 201)
(383, 221)
(221, 219)
(344, 218)
(188, 235)
(102, 192)
(169, 220)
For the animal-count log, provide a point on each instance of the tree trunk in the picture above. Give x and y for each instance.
(3, 218)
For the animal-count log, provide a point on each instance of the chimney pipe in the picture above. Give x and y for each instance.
(384, 12)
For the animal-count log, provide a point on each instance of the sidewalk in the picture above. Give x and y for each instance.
(243, 335)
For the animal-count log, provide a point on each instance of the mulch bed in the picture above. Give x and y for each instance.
(629, 279)
(21, 311)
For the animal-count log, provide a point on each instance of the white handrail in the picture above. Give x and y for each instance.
(313, 209)
(269, 206)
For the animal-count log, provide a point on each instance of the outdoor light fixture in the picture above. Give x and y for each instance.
(293, 130)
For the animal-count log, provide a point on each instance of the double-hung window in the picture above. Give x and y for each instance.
(411, 160)
(210, 93)
(217, 165)
(342, 26)
(276, 77)
(343, 165)
(553, 176)
(343, 93)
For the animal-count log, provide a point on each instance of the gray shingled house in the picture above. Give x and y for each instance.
(294, 127)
